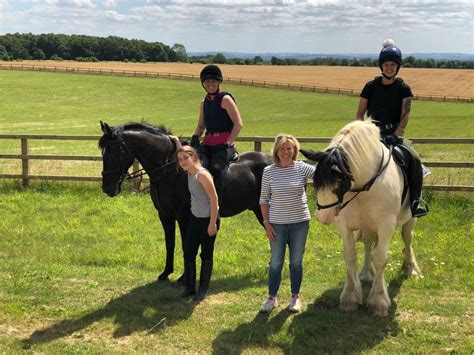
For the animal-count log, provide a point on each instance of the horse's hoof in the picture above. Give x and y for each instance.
(180, 280)
(163, 278)
(378, 311)
(349, 307)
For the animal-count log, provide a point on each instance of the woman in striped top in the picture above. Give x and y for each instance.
(285, 216)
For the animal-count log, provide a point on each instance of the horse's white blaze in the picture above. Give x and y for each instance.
(376, 213)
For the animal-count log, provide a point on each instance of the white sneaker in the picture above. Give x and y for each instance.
(295, 305)
(269, 304)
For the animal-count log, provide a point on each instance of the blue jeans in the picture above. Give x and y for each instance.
(294, 235)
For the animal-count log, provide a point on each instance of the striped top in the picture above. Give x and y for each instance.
(284, 190)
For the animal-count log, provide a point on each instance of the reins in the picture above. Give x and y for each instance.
(340, 204)
(141, 172)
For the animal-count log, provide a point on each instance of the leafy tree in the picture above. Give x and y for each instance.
(219, 58)
(180, 51)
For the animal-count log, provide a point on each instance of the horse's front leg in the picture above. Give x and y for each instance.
(410, 266)
(367, 272)
(379, 300)
(351, 296)
(169, 227)
(183, 221)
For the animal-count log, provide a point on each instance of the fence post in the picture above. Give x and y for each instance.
(257, 146)
(25, 164)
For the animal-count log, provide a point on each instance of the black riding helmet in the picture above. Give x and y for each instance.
(390, 52)
(211, 71)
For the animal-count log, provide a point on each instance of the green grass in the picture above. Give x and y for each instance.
(78, 269)
(64, 103)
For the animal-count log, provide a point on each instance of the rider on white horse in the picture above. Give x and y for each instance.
(387, 101)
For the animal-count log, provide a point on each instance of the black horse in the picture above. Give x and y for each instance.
(155, 151)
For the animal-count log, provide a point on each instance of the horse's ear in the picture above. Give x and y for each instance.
(335, 168)
(312, 155)
(105, 128)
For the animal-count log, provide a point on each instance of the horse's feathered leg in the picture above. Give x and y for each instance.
(410, 266)
(351, 296)
(367, 272)
(378, 300)
(169, 227)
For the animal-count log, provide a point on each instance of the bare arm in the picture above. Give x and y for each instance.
(201, 126)
(406, 108)
(207, 183)
(362, 109)
(264, 208)
(176, 141)
(229, 105)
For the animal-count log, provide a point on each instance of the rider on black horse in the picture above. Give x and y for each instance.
(220, 117)
(387, 100)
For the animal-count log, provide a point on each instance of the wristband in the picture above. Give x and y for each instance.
(265, 221)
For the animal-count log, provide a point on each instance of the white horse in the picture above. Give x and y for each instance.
(360, 187)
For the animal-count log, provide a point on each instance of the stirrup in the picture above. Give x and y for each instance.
(419, 208)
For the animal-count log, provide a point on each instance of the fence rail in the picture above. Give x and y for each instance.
(25, 156)
(258, 83)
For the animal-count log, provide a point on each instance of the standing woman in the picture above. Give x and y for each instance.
(285, 216)
(203, 223)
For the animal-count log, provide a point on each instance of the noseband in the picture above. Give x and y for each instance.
(139, 173)
(340, 193)
(122, 147)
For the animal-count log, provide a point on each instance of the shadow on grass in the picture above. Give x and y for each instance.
(149, 308)
(321, 328)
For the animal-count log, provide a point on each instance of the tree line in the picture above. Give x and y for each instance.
(51, 46)
(20, 46)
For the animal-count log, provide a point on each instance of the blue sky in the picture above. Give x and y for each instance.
(276, 26)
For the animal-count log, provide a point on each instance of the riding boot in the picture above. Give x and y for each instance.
(189, 278)
(204, 279)
(219, 184)
(419, 208)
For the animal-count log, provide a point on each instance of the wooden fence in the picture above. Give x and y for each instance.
(26, 157)
(258, 83)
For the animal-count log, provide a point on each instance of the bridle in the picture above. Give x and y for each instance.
(141, 172)
(123, 148)
(340, 193)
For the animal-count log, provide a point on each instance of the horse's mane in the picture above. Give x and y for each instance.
(133, 126)
(360, 140)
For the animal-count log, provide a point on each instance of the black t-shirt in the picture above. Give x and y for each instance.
(385, 101)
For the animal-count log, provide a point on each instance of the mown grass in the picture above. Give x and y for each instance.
(78, 274)
(78, 269)
(63, 103)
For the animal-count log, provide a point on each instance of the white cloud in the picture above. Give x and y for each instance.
(246, 25)
(109, 3)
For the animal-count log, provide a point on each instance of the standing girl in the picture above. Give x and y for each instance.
(285, 216)
(203, 223)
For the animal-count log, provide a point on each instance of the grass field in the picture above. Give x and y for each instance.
(78, 269)
(424, 81)
(62, 103)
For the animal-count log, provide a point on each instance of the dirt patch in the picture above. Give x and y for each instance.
(423, 81)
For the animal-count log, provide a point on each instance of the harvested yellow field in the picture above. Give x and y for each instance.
(423, 81)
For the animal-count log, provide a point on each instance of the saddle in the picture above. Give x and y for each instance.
(403, 158)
